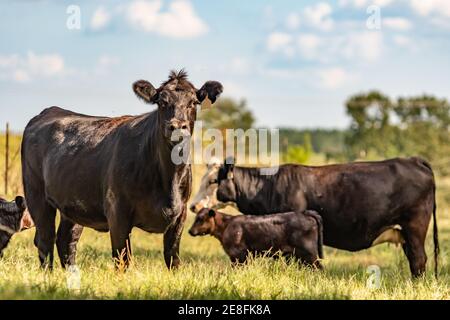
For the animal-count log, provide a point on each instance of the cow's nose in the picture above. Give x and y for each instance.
(174, 125)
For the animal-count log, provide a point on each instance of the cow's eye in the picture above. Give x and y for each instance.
(212, 181)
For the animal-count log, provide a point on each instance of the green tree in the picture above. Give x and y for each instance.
(299, 153)
(227, 113)
(424, 123)
(370, 134)
(412, 126)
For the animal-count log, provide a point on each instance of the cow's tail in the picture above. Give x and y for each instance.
(435, 234)
(318, 219)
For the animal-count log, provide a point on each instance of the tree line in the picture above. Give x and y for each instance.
(380, 127)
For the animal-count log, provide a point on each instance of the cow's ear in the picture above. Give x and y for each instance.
(229, 163)
(229, 167)
(211, 89)
(20, 202)
(145, 90)
(211, 213)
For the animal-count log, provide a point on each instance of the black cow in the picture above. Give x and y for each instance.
(12, 214)
(112, 174)
(362, 204)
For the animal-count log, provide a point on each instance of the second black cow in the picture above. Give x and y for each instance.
(362, 204)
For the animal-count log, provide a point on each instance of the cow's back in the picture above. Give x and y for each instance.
(66, 155)
(262, 232)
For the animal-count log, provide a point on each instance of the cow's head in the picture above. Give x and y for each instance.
(12, 214)
(177, 99)
(216, 188)
(204, 223)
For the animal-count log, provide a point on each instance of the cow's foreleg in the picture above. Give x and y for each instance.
(172, 238)
(43, 215)
(120, 227)
(66, 241)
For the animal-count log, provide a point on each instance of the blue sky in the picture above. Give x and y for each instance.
(295, 62)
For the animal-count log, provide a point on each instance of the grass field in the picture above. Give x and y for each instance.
(206, 272)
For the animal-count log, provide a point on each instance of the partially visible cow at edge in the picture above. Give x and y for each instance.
(112, 174)
(362, 204)
(13, 218)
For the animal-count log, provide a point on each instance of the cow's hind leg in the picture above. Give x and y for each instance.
(414, 231)
(308, 258)
(43, 215)
(66, 241)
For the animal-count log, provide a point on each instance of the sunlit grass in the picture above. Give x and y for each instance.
(206, 272)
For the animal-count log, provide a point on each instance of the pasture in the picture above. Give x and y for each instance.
(206, 272)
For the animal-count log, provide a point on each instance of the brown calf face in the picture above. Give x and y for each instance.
(204, 223)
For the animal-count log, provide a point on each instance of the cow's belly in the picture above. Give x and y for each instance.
(81, 214)
(355, 240)
(151, 217)
(94, 221)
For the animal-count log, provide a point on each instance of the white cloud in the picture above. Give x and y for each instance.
(319, 16)
(239, 65)
(280, 42)
(23, 69)
(441, 22)
(178, 21)
(293, 21)
(364, 3)
(108, 61)
(105, 63)
(328, 78)
(402, 40)
(308, 45)
(9, 61)
(333, 78)
(428, 7)
(100, 19)
(397, 23)
(366, 45)
(46, 65)
(20, 75)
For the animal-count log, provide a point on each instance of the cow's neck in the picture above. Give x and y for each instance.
(155, 145)
(255, 192)
(220, 224)
(249, 183)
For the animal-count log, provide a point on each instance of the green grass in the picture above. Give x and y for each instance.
(206, 272)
